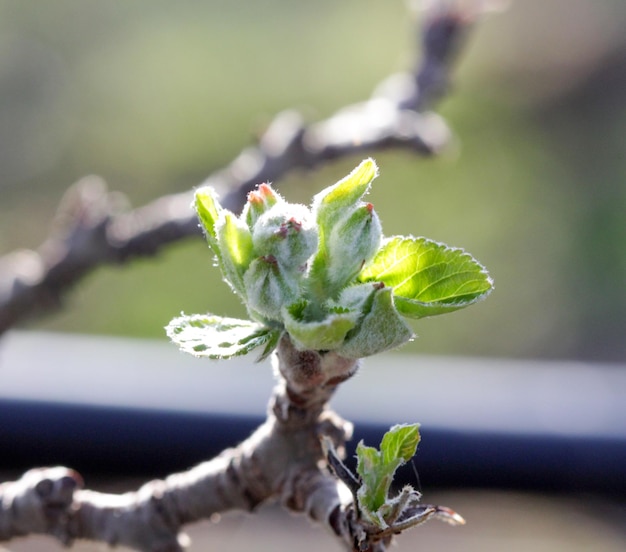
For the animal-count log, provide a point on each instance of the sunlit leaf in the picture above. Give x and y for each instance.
(236, 253)
(208, 208)
(346, 193)
(427, 277)
(400, 442)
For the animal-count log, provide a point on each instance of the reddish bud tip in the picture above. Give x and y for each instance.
(255, 198)
(265, 190)
(295, 224)
(291, 224)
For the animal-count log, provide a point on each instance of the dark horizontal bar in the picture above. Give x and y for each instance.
(98, 440)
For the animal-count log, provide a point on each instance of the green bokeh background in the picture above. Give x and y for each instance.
(155, 95)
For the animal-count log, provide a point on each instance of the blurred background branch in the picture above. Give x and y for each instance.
(92, 228)
(154, 98)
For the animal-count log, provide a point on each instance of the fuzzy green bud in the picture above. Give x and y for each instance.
(329, 208)
(288, 233)
(259, 202)
(268, 288)
(331, 202)
(352, 242)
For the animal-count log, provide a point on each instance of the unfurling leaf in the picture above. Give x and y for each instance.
(208, 208)
(377, 468)
(400, 442)
(346, 193)
(332, 208)
(235, 243)
(381, 329)
(427, 277)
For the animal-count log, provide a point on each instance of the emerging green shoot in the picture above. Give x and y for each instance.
(324, 274)
(377, 468)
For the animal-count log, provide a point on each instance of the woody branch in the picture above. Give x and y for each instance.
(281, 460)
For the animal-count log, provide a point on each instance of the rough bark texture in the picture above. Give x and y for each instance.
(281, 460)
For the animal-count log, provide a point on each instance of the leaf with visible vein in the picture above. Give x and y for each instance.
(206, 335)
(427, 277)
(400, 442)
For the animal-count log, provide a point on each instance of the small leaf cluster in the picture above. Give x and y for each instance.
(381, 513)
(323, 274)
(376, 469)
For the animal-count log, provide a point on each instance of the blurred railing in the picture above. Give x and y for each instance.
(119, 406)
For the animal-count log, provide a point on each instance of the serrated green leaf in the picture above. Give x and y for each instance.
(272, 343)
(206, 335)
(400, 442)
(427, 277)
